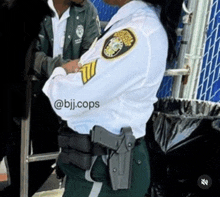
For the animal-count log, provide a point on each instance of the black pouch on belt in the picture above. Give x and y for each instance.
(77, 149)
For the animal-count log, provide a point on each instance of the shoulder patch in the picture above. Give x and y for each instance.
(118, 43)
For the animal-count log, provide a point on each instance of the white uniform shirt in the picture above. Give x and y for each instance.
(115, 88)
(59, 29)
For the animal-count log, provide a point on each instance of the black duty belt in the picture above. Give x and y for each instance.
(77, 149)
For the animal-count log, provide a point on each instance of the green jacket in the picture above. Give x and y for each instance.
(85, 16)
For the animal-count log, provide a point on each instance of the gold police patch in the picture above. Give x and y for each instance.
(118, 43)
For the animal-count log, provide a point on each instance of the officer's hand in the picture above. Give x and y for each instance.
(72, 66)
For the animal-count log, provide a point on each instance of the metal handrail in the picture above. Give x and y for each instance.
(43, 157)
(25, 142)
(177, 72)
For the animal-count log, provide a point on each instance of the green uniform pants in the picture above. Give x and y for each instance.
(78, 184)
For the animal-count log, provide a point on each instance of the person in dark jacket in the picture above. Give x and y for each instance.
(82, 27)
(67, 35)
(19, 28)
(64, 37)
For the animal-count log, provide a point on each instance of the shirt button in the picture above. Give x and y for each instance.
(139, 162)
(77, 18)
(69, 36)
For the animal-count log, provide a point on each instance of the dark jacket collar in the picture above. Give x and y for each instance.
(74, 10)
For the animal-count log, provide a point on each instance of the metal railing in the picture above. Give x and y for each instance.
(183, 83)
(26, 158)
(195, 49)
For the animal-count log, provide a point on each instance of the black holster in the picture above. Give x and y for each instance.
(121, 154)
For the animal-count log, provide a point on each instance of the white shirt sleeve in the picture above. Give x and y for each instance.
(113, 77)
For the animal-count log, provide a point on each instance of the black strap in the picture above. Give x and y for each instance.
(104, 33)
(70, 139)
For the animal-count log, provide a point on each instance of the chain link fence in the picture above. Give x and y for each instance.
(209, 84)
(105, 11)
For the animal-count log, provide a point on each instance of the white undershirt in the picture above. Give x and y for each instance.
(59, 29)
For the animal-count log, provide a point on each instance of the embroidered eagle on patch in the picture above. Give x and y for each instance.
(118, 43)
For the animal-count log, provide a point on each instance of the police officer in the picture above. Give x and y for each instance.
(107, 97)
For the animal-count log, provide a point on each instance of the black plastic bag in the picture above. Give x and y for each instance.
(184, 143)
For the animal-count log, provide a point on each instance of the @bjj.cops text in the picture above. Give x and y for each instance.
(72, 104)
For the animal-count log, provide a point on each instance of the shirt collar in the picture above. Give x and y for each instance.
(65, 15)
(126, 10)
